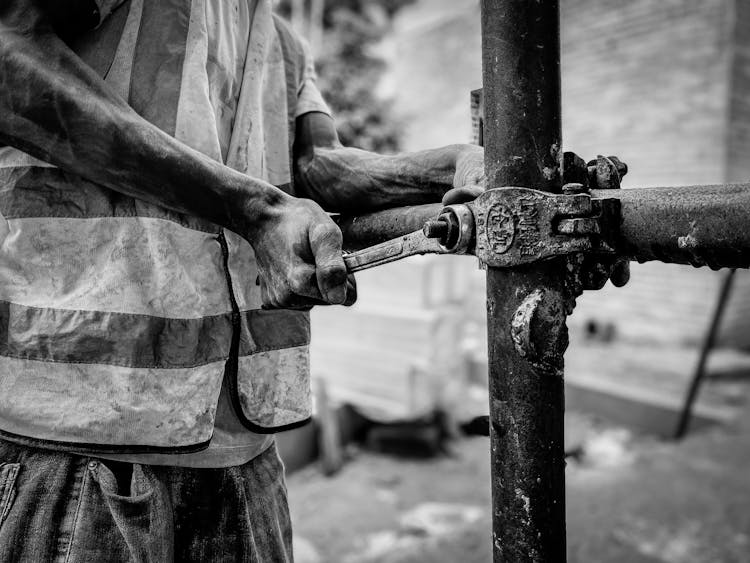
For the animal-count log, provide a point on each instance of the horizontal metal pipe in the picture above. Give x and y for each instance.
(698, 225)
(380, 226)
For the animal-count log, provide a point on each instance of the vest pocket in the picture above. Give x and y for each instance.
(273, 390)
(8, 474)
(268, 370)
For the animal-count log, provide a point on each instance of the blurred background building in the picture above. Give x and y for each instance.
(662, 84)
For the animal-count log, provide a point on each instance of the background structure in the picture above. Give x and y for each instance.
(662, 84)
(665, 85)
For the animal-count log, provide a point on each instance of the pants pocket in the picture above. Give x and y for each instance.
(137, 509)
(8, 474)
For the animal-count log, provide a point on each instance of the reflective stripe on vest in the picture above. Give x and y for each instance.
(117, 317)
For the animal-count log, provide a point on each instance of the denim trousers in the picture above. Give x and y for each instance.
(69, 508)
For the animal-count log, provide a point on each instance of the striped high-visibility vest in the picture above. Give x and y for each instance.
(119, 318)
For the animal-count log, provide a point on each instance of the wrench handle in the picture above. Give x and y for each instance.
(408, 245)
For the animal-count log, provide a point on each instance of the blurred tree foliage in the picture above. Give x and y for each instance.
(348, 67)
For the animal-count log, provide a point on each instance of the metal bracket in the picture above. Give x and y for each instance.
(516, 226)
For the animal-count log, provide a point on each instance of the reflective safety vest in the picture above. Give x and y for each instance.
(119, 318)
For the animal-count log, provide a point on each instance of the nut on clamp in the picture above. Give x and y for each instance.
(454, 229)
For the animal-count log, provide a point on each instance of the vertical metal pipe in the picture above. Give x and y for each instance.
(526, 306)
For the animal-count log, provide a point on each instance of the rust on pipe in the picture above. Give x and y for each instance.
(698, 225)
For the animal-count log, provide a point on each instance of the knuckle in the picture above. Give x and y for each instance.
(332, 231)
(327, 234)
(296, 286)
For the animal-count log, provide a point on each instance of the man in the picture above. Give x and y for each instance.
(161, 156)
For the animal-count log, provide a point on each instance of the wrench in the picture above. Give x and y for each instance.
(392, 250)
(451, 233)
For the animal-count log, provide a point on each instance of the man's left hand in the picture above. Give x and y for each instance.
(468, 181)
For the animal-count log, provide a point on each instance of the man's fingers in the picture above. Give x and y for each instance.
(301, 291)
(351, 290)
(469, 167)
(290, 298)
(574, 169)
(596, 270)
(330, 270)
(303, 282)
(462, 194)
(620, 273)
(296, 304)
(297, 291)
(594, 274)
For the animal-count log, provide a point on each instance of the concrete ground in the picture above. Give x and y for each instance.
(630, 499)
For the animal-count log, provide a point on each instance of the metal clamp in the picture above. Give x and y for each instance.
(517, 226)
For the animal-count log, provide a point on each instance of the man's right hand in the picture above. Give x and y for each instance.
(299, 256)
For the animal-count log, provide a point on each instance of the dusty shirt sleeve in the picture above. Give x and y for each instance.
(309, 97)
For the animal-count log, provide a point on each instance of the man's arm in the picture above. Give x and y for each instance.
(349, 180)
(353, 181)
(56, 108)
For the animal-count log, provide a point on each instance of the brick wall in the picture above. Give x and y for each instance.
(648, 80)
(665, 84)
(651, 81)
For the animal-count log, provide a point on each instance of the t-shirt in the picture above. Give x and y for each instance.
(222, 30)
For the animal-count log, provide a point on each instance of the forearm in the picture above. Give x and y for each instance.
(55, 108)
(352, 180)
